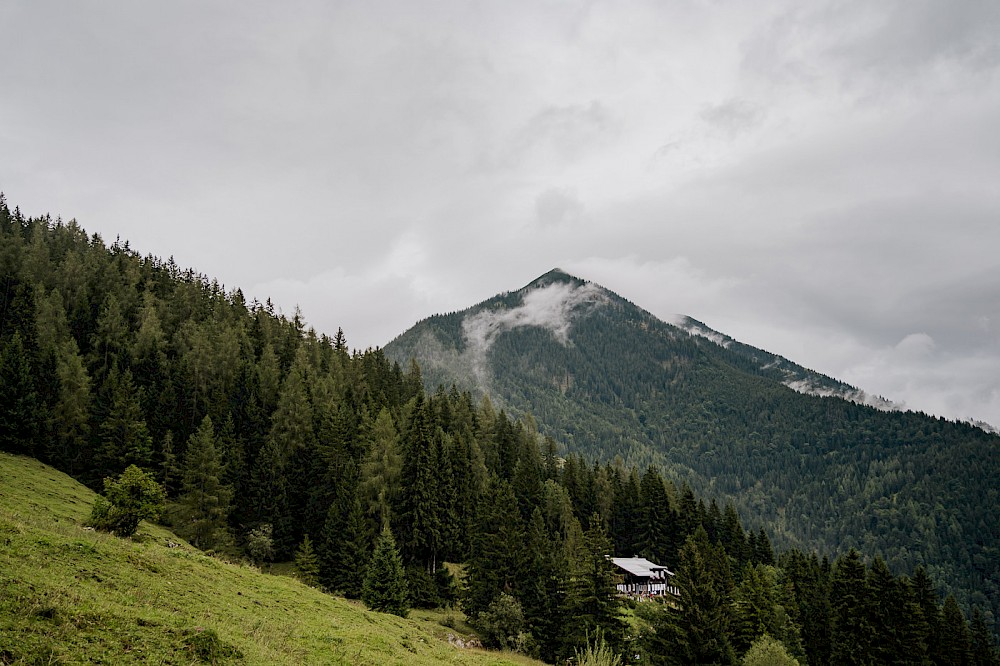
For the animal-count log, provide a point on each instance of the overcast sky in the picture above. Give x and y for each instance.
(819, 179)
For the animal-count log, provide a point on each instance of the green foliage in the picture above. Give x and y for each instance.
(593, 603)
(306, 563)
(18, 399)
(385, 588)
(597, 652)
(767, 651)
(502, 626)
(704, 618)
(131, 498)
(260, 545)
(203, 505)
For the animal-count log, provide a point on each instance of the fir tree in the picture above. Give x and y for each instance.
(384, 588)
(19, 403)
(125, 439)
(704, 617)
(306, 562)
(496, 548)
(203, 505)
(851, 636)
(70, 416)
(956, 642)
(593, 603)
(984, 647)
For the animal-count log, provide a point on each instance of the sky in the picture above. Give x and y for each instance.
(819, 179)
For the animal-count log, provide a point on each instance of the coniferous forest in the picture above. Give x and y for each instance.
(277, 443)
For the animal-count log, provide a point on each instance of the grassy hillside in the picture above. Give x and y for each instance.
(70, 595)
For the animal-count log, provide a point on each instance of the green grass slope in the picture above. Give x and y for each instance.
(71, 595)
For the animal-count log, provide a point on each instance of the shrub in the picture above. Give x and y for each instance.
(502, 624)
(128, 500)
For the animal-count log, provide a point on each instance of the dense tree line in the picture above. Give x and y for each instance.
(275, 442)
(819, 473)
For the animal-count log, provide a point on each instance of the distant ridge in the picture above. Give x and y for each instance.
(806, 454)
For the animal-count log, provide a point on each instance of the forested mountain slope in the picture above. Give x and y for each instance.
(605, 378)
(273, 442)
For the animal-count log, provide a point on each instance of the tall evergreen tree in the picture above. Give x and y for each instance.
(204, 502)
(593, 603)
(306, 562)
(496, 548)
(20, 406)
(125, 439)
(984, 647)
(381, 470)
(852, 635)
(69, 424)
(704, 616)
(956, 641)
(384, 587)
(420, 524)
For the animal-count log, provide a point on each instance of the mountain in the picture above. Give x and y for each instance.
(793, 449)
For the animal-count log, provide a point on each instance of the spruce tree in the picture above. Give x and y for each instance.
(384, 588)
(70, 415)
(19, 402)
(306, 562)
(956, 641)
(496, 548)
(593, 603)
(204, 501)
(704, 616)
(851, 635)
(984, 647)
(125, 439)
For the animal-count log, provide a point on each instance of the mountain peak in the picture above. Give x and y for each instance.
(556, 275)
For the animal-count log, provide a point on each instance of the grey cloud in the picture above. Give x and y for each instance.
(568, 131)
(733, 116)
(557, 206)
(826, 183)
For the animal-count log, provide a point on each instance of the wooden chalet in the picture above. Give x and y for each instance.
(642, 578)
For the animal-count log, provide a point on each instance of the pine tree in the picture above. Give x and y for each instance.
(19, 403)
(984, 647)
(755, 613)
(542, 587)
(704, 618)
(269, 502)
(343, 547)
(381, 470)
(170, 470)
(203, 505)
(69, 422)
(125, 439)
(496, 548)
(956, 642)
(884, 612)
(593, 603)
(657, 522)
(928, 603)
(851, 635)
(420, 524)
(384, 588)
(306, 562)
